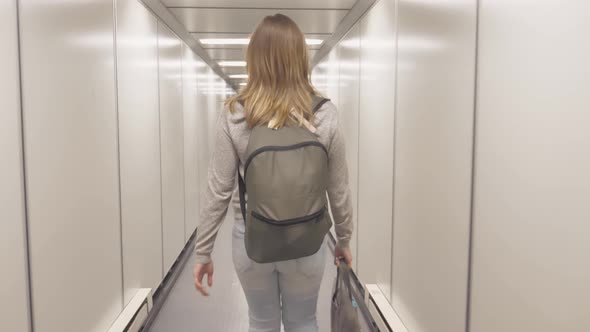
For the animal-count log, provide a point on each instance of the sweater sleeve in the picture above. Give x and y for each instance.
(338, 188)
(218, 192)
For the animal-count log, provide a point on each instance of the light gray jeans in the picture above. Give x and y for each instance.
(286, 291)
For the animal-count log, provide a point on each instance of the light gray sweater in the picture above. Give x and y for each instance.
(231, 141)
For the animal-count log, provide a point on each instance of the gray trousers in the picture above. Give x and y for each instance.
(284, 291)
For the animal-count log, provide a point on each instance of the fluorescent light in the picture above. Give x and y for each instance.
(243, 84)
(311, 41)
(238, 76)
(217, 90)
(224, 41)
(232, 63)
(245, 41)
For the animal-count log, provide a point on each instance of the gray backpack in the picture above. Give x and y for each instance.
(285, 175)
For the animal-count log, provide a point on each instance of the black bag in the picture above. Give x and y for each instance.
(344, 308)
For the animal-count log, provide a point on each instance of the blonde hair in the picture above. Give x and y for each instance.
(279, 90)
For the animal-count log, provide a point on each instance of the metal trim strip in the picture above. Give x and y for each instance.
(166, 17)
(354, 15)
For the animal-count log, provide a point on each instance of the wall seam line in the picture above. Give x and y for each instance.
(183, 138)
(358, 111)
(395, 128)
(24, 196)
(118, 152)
(160, 141)
(473, 174)
(358, 141)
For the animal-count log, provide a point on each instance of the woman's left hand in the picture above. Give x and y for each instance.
(200, 271)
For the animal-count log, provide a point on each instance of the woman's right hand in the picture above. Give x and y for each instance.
(342, 253)
(200, 271)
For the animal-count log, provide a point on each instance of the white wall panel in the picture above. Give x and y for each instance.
(207, 87)
(190, 106)
(319, 77)
(433, 159)
(531, 230)
(210, 93)
(139, 145)
(13, 293)
(377, 103)
(70, 138)
(214, 112)
(172, 142)
(206, 99)
(348, 106)
(333, 76)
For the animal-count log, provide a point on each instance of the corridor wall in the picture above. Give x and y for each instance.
(191, 101)
(348, 107)
(376, 140)
(474, 113)
(530, 228)
(139, 146)
(72, 174)
(407, 81)
(319, 78)
(106, 93)
(172, 143)
(14, 306)
(210, 106)
(332, 83)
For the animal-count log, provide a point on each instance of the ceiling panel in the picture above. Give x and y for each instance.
(226, 53)
(331, 4)
(234, 70)
(228, 20)
(238, 83)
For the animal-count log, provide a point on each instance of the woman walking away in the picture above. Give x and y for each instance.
(281, 142)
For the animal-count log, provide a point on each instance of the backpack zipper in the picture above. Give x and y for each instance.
(281, 148)
(289, 222)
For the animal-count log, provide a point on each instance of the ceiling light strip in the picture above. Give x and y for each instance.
(245, 41)
(225, 63)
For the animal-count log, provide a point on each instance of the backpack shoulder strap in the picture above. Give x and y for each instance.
(317, 102)
(242, 192)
